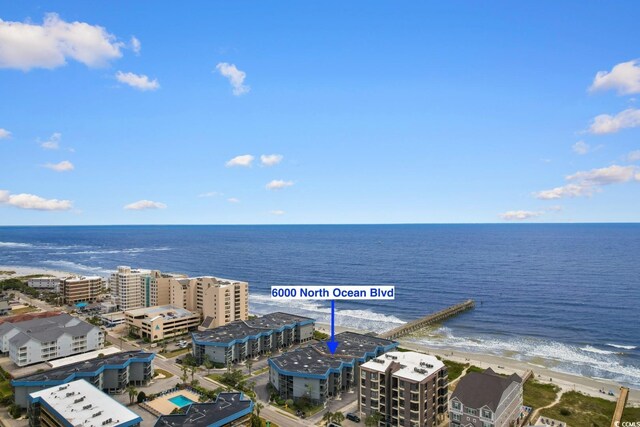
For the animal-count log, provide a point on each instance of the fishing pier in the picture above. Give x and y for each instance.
(430, 319)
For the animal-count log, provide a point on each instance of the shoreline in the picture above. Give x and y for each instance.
(22, 270)
(566, 381)
(506, 365)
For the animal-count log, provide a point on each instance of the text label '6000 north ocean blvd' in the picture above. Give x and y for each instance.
(329, 292)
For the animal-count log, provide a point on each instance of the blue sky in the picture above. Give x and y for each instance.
(382, 112)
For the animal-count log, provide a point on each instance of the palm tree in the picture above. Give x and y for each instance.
(249, 365)
(132, 394)
(184, 373)
(208, 365)
(193, 370)
(258, 406)
(327, 417)
(337, 417)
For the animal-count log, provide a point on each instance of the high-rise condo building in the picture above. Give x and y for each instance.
(220, 301)
(405, 388)
(133, 287)
(81, 289)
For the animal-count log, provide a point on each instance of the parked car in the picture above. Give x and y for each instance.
(353, 417)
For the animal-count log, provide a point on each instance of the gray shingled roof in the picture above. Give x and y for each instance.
(478, 389)
(46, 329)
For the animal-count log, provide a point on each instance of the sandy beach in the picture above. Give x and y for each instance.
(501, 364)
(19, 271)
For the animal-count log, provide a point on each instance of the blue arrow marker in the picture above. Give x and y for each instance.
(332, 343)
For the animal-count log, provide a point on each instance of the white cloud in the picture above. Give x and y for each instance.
(63, 166)
(581, 148)
(586, 183)
(569, 190)
(277, 212)
(233, 200)
(24, 45)
(519, 215)
(136, 46)
(624, 77)
(245, 160)
(605, 176)
(270, 159)
(633, 156)
(235, 77)
(210, 194)
(145, 204)
(4, 134)
(138, 81)
(31, 201)
(53, 143)
(605, 123)
(278, 184)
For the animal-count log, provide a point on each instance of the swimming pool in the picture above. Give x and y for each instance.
(180, 401)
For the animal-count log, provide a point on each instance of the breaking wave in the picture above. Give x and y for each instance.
(365, 320)
(75, 267)
(586, 361)
(625, 347)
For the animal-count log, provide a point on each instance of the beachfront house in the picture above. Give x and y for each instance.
(486, 399)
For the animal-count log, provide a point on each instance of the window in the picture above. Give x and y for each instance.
(456, 417)
(471, 411)
(455, 404)
(486, 413)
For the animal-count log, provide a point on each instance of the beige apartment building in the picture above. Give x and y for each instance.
(158, 323)
(220, 301)
(406, 388)
(81, 289)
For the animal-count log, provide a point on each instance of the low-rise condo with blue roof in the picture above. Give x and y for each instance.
(314, 372)
(246, 339)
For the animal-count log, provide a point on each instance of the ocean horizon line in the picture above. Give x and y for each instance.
(322, 224)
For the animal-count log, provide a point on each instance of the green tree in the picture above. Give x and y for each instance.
(193, 370)
(249, 365)
(132, 393)
(208, 365)
(327, 417)
(373, 419)
(337, 417)
(184, 376)
(141, 397)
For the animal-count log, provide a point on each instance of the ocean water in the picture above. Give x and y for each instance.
(566, 294)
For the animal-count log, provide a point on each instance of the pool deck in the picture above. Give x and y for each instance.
(164, 406)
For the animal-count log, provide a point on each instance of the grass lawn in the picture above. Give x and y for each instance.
(24, 310)
(308, 412)
(5, 388)
(455, 368)
(264, 423)
(175, 353)
(7, 272)
(258, 372)
(579, 410)
(474, 368)
(166, 374)
(538, 395)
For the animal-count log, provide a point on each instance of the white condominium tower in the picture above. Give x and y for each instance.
(132, 287)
